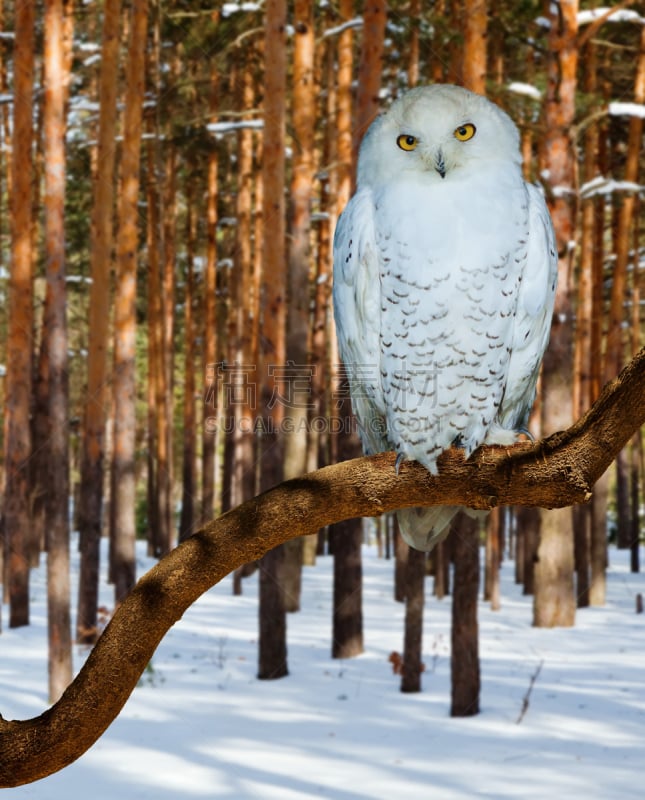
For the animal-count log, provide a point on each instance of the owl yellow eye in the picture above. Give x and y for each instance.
(465, 132)
(407, 142)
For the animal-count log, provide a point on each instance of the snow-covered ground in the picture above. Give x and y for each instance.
(201, 726)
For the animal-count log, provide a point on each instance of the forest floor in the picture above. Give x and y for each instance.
(201, 726)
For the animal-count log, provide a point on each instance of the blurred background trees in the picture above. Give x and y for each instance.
(170, 179)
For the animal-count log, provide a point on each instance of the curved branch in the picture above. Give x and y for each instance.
(558, 471)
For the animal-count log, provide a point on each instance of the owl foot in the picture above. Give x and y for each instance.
(526, 432)
(397, 464)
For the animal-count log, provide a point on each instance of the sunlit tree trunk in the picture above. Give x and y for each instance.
(475, 23)
(19, 343)
(101, 233)
(209, 434)
(55, 333)
(123, 464)
(303, 114)
(273, 634)
(413, 52)
(554, 599)
(493, 558)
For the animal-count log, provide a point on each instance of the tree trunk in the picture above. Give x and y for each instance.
(528, 527)
(93, 443)
(623, 533)
(165, 398)
(55, 332)
(598, 548)
(581, 528)
(464, 659)
(475, 22)
(155, 347)
(124, 485)
(347, 629)
(209, 336)
(298, 326)
(19, 343)
(370, 68)
(413, 639)
(554, 599)
(493, 558)
(413, 44)
(272, 639)
(401, 550)
(187, 519)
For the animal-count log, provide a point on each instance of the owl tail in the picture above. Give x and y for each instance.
(423, 528)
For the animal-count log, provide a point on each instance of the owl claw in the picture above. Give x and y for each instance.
(526, 433)
(397, 464)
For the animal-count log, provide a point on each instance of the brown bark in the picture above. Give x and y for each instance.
(165, 398)
(347, 623)
(581, 524)
(493, 559)
(19, 343)
(369, 70)
(464, 657)
(401, 550)
(347, 634)
(93, 443)
(55, 333)
(272, 639)
(297, 343)
(123, 497)
(583, 357)
(209, 435)
(557, 471)
(413, 637)
(554, 600)
(475, 23)
(528, 524)
(413, 52)
(615, 338)
(187, 519)
(155, 349)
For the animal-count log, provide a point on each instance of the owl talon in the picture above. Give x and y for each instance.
(397, 464)
(526, 433)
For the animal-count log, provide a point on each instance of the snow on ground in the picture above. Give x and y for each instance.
(201, 726)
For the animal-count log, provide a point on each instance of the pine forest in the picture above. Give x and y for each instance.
(171, 176)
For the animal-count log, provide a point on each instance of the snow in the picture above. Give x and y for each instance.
(219, 128)
(617, 15)
(200, 725)
(617, 109)
(228, 9)
(526, 89)
(604, 186)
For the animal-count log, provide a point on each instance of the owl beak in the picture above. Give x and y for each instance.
(440, 164)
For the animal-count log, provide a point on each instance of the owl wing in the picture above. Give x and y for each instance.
(533, 316)
(357, 312)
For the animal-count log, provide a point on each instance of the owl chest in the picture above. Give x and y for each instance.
(448, 260)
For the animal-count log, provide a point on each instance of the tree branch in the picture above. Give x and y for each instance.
(558, 471)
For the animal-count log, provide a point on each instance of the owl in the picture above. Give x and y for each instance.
(445, 269)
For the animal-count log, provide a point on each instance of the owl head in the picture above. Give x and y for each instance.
(436, 133)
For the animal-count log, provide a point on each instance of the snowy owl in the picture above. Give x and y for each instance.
(445, 268)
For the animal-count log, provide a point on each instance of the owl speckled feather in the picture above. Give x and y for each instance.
(444, 279)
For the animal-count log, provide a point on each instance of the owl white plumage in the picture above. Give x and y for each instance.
(445, 268)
